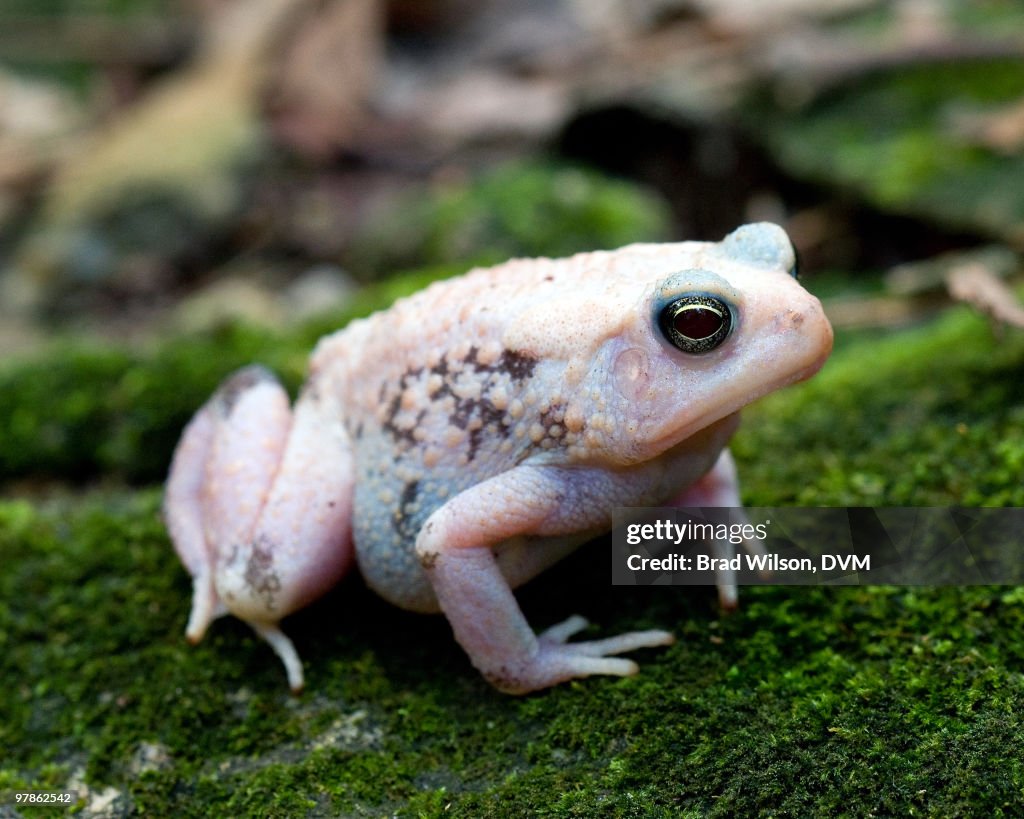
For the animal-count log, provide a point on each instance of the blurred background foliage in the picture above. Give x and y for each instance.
(190, 186)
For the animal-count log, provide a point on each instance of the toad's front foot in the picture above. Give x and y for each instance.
(491, 628)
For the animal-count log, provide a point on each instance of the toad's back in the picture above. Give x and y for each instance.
(463, 381)
(440, 392)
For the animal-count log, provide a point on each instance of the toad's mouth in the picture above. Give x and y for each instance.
(727, 408)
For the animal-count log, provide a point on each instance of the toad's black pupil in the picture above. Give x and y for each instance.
(697, 322)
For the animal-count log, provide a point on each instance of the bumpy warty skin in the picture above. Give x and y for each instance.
(545, 361)
(549, 380)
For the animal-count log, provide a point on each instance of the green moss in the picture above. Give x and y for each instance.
(929, 417)
(893, 138)
(76, 411)
(120, 411)
(520, 209)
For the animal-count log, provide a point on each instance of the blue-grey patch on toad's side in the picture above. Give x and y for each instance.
(385, 535)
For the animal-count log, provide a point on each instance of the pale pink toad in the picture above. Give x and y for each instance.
(464, 440)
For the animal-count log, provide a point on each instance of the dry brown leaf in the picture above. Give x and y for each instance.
(978, 286)
(316, 99)
(872, 311)
(1001, 130)
(37, 122)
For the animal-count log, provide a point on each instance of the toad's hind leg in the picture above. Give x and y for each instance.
(258, 505)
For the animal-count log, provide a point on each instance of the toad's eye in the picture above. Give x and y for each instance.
(696, 323)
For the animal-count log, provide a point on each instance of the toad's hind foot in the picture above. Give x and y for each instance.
(285, 649)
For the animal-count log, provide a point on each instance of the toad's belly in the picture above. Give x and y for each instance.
(395, 497)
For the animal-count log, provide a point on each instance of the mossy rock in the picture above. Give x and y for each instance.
(807, 701)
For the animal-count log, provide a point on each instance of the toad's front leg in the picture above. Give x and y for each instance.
(456, 545)
(719, 487)
(258, 505)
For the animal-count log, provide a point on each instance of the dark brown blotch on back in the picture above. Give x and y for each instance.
(517, 365)
(399, 434)
(403, 518)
